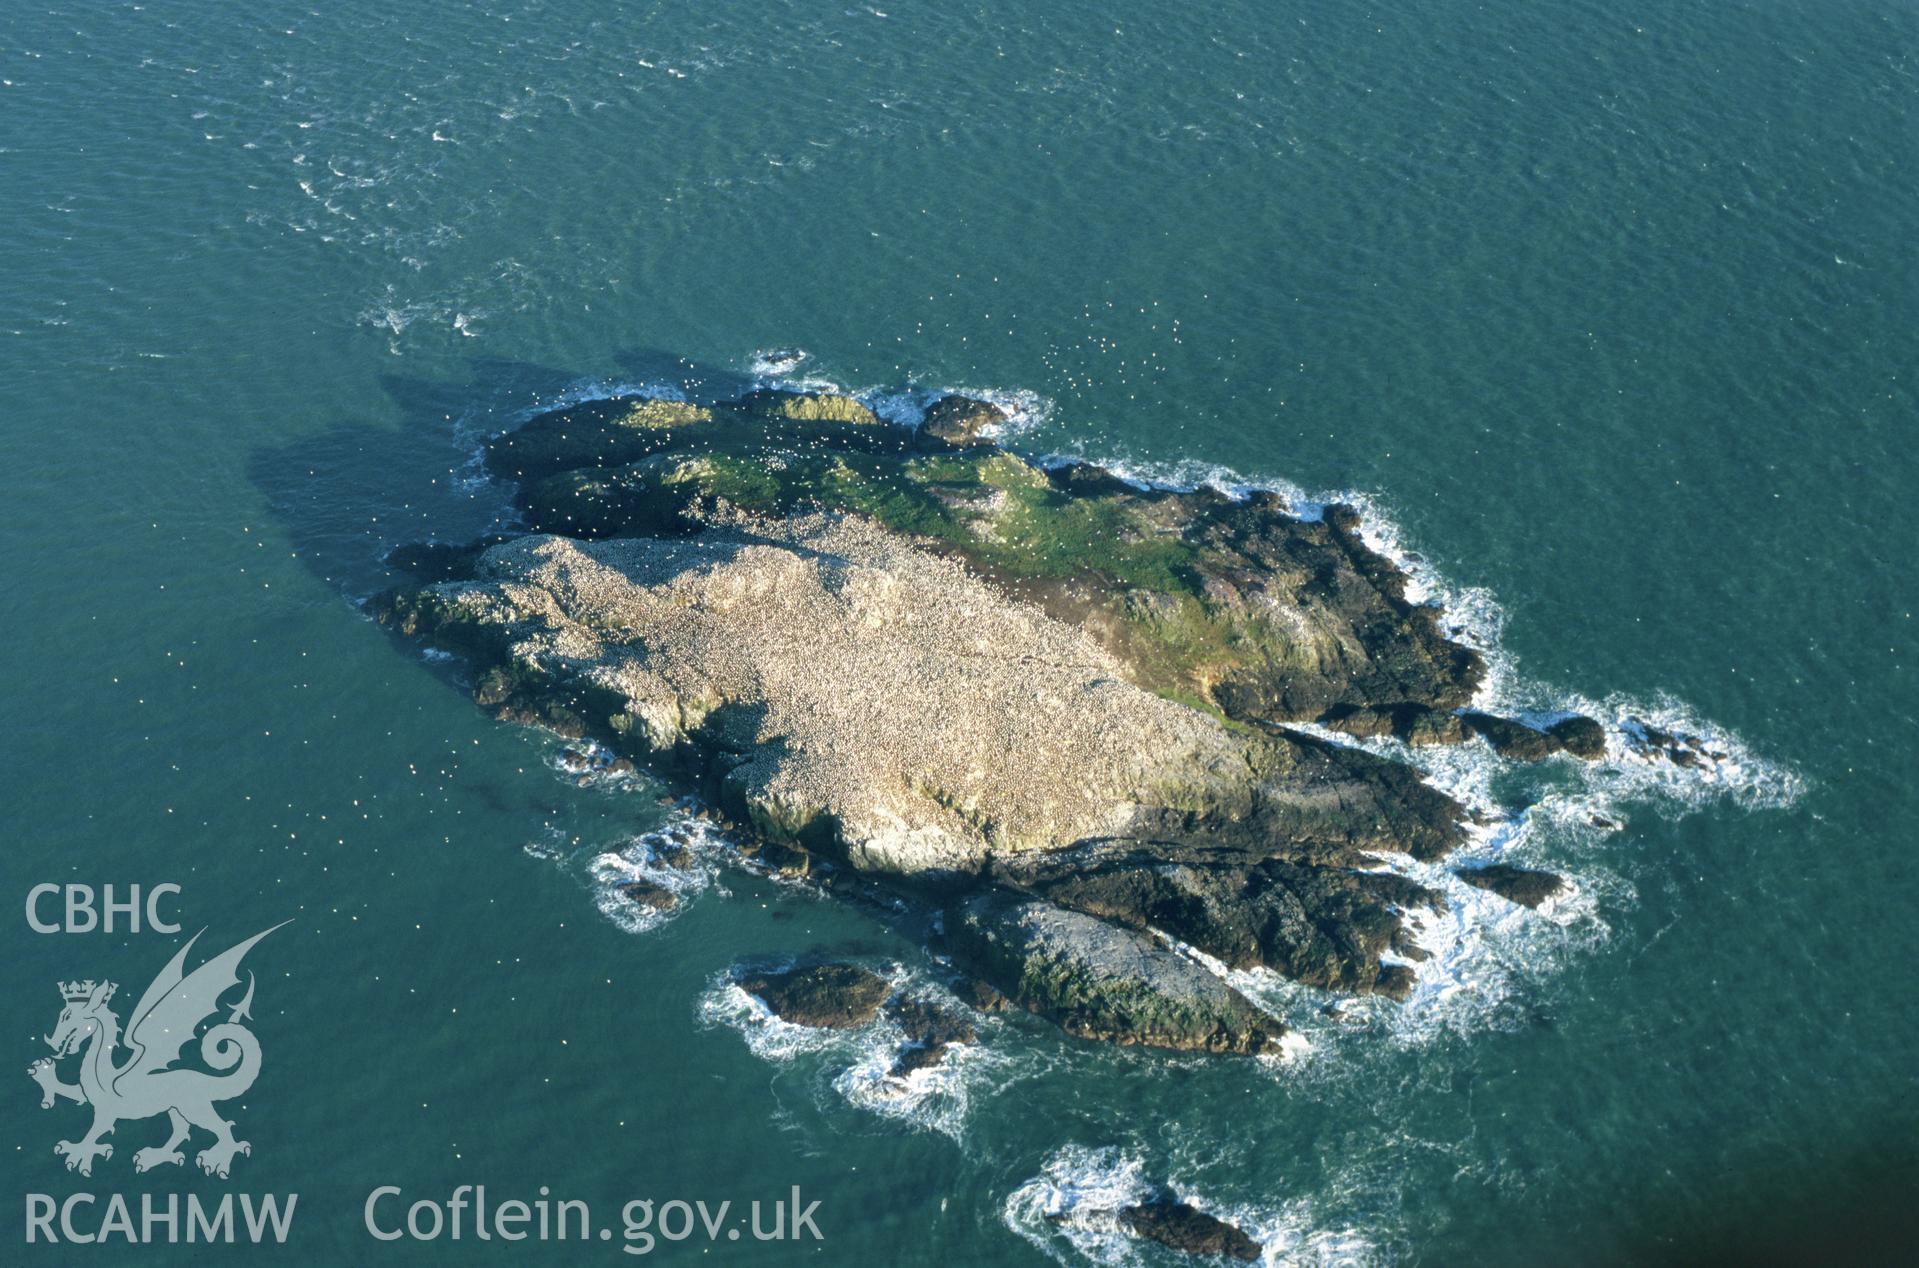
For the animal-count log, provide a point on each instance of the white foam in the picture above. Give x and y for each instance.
(861, 1060)
(643, 859)
(1024, 410)
(1070, 1212)
(772, 362)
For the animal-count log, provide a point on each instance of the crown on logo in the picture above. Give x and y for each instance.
(79, 992)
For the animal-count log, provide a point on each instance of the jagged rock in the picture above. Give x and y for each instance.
(1676, 747)
(917, 1057)
(927, 1023)
(1185, 1228)
(1413, 723)
(784, 859)
(439, 561)
(1100, 981)
(983, 995)
(674, 855)
(1515, 884)
(1322, 925)
(649, 895)
(959, 420)
(930, 1030)
(1582, 737)
(832, 996)
(1509, 738)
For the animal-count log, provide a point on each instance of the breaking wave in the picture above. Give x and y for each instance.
(858, 1064)
(1073, 1205)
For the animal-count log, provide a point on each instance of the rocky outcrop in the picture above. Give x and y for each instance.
(649, 895)
(1046, 696)
(930, 1030)
(1101, 981)
(1582, 737)
(1323, 925)
(961, 420)
(832, 996)
(1185, 1228)
(1515, 884)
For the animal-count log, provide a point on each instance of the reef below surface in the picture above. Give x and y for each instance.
(1062, 710)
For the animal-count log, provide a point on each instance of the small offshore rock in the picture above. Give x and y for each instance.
(930, 1031)
(649, 895)
(1515, 884)
(917, 1057)
(960, 420)
(674, 855)
(493, 689)
(1185, 1228)
(1395, 981)
(927, 1023)
(829, 996)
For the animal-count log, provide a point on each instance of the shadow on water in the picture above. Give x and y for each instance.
(352, 493)
(348, 496)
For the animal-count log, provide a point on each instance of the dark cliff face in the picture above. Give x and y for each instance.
(1262, 852)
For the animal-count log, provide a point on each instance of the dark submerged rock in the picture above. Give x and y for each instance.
(831, 996)
(1580, 736)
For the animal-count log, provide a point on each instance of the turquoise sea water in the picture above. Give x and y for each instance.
(1609, 310)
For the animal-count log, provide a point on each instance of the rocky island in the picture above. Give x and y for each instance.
(1056, 706)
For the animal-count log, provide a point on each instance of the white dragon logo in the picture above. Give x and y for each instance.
(158, 1030)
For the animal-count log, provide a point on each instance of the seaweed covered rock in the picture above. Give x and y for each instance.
(809, 407)
(960, 420)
